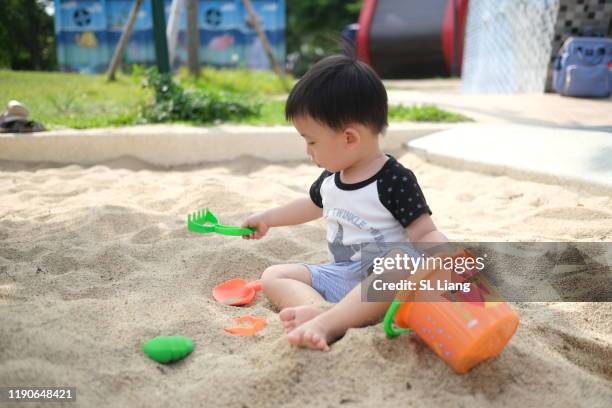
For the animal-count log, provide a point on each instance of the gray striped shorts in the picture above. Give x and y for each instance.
(334, 280)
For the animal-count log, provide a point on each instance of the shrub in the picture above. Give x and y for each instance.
(172, 102)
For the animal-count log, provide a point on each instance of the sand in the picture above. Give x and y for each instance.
(96, 260)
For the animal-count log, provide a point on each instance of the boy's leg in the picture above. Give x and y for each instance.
(331, 324)
(328, 326)
(289, 285)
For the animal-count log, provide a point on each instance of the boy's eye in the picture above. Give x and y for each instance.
(311, 143)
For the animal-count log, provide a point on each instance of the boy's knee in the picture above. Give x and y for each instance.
(271, 273)
(274, 272)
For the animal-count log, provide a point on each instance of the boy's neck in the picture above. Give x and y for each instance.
(364, 168)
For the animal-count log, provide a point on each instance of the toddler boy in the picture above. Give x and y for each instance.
(340, 109)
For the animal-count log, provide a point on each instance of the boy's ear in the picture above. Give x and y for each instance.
(352, 135)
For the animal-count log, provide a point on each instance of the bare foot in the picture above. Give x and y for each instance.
(314, 334)
(293, 317)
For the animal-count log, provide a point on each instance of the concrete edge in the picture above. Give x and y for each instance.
(454, 163)
(174, 145)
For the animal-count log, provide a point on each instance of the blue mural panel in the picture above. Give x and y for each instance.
(87, 32)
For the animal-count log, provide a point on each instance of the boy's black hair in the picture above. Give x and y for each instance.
(339, 90)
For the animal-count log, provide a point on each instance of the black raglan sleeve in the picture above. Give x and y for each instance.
(400, 193)
(315, 189)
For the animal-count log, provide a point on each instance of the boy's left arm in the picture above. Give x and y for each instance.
(424, 230)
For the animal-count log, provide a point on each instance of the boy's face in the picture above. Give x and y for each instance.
(326, 147)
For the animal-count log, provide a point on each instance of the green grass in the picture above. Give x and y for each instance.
(273, 113)
(260, 83)
(85, 101)
(423, 113)
(72, 100)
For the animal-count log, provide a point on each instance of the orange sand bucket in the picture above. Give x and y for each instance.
(462, 333)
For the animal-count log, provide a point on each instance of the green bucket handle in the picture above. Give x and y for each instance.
(388, 321)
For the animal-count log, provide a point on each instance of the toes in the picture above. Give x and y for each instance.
(318, 342)
(294, 337)
(322, 344)
(287, 314)
(307, 338)
(289, 326)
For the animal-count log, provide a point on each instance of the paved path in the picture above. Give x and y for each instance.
(562, 156)
(536, 136)
(547, 110)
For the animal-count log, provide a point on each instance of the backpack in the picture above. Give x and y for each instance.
(583, 67)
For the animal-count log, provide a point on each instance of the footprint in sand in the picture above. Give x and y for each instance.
(578, 283)
(466, 197)
(573, 213)
(58, 263)
(402, 349)
(147, 235)
(17, 255)
(112, 262)
(95, 292)
(592, 355)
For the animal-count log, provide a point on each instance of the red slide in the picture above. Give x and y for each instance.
(411, 38)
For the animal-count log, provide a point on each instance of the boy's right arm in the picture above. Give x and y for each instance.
(298, 211)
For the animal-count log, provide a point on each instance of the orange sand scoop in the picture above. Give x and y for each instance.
(236, 292)
(257, 324)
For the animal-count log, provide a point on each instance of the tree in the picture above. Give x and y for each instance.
(123, 40)
(27, 38)
(313, 29)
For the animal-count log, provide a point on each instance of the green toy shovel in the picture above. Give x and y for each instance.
(205, 221)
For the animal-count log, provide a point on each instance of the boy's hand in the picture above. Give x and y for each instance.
(255, 221)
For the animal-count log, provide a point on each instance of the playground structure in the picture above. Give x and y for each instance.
(496, 46)
(412, 39)
(87, 33)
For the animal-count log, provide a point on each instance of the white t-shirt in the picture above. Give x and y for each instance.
(374, 210)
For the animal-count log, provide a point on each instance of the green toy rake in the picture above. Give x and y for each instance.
(204, 221)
